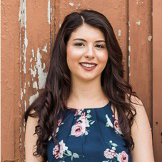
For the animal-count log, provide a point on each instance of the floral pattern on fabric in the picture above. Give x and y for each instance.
(82, 122)
(114, 125)
(59, 123)
(123, 157)
(80, 141)
(110, 153)
(61, 151)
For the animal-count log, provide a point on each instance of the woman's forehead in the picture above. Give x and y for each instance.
(87, 32)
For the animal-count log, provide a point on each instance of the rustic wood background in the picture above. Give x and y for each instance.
(28, 31)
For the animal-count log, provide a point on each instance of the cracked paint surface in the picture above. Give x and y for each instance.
(71, 4)
(45, 49)
(119, 32)
(41, 74)
(33, 97)
(22, 20)
(38, 69)
(49, 12)
(150, 38)
(34, 46)
(138, 22)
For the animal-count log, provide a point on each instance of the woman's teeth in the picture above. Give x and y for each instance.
(87, 65)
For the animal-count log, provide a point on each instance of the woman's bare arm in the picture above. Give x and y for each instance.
(30, 140)
(141, 134)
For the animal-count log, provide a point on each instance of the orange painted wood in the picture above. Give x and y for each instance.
(25, 57)
(140, 47)
(157, 79)
(34, 55)
(10, 80)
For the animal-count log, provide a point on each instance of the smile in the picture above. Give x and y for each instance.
(88, 66)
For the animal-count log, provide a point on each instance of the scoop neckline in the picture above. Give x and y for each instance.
(87, 108)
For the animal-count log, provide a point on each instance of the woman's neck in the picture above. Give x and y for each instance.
(86, 94)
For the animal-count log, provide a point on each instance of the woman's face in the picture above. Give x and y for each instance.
(87, 54)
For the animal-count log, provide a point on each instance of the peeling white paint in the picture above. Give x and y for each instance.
(28, 83)
(31, 60)
(25, 45)
(33, 97)
(22, 20)
(138, 22)
(150, 38)
(129, 38)
(78, 6)
(33, 72)
(21, 94)
(35, 85)
(129, 74)
(139, 1)
(49, 13)
(129, 48)
(33, 53)
(119, 32)
(24, 87)
(22, 13)
(41, 75)
(129, 61)
(44, 65)
(24, 69)
(71, 4)
(45, 49)
(25, 105)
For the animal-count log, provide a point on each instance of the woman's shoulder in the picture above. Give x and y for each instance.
(137, 105)
(141, 131)
(139, 108)
(30, 139)
(141, 117)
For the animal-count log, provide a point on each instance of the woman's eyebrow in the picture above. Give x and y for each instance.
(80, 39)
(86, 41)
(100, 41)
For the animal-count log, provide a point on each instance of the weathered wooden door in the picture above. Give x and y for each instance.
(28, 32)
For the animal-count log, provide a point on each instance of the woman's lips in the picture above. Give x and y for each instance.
(88, 68)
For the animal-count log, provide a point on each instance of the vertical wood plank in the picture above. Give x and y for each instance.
(34, 55)
(140, 51)
(10, 80)
(0, 86)
(157, 79)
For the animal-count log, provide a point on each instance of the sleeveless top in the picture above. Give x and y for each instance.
(88, 135)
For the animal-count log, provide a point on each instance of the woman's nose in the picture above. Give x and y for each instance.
(90, 53)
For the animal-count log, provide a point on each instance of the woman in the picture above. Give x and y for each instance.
(87, 112)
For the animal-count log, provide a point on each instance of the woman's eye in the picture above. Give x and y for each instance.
(100, 46)
(79, 44)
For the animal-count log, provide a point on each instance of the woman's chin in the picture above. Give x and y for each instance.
(88, 78)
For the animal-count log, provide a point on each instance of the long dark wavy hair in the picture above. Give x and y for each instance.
(52, 100)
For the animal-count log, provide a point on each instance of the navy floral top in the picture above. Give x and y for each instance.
(88, 135)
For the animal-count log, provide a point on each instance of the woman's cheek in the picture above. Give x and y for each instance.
(77, 53)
